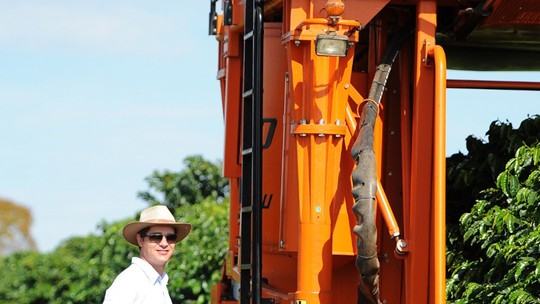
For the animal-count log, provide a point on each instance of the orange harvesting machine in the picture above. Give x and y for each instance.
(334, 116)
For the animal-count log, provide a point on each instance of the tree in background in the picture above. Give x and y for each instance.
(15, 223)
(493, 217)
(78, 271)
(494, 256)
(82, 268)
(201, 179)
(197, 266)
(468, 175)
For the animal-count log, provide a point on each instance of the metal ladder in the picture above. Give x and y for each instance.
(251, 180)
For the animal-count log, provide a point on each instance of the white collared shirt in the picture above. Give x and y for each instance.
(140, 283)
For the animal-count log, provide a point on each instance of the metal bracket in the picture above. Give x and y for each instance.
(266, 205)
(212, 22)
(227, 12)
(402, 248)
(271, 130)
(427, 51)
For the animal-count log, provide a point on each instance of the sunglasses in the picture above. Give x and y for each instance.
(158, 237)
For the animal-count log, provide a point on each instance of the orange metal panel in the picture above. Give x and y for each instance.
(514, 12)
(308, 245)
(232, 87)
(405, 122)
(277, 265)
(317, 83)
(391, 272)
(405, 119)
(234, 211)
(419, 261)
(363, 10)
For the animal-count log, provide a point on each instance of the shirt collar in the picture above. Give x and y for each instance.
(152, 275)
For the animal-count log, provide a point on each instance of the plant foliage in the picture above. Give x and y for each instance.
(468, 175)
(200, 180)
(196, 267)
(15, 222)
(494, 256)
(76, 272)
(82, 268)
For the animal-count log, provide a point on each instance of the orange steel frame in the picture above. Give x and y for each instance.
(309, 249)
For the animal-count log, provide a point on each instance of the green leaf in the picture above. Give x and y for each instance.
(511, 164)
(502, 182)
(527, 196)
(472, 290)
(521, 265)
(511, 222)
(508, 183)
(493, 249)
(534, 179)
(536, 155)
(521, 296)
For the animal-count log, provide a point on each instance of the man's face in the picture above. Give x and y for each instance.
(157, 253)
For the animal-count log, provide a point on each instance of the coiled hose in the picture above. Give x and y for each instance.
(364, 178)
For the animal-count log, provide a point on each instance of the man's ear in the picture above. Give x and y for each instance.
(140, 240)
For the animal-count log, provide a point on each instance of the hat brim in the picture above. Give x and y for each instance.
(131, 229)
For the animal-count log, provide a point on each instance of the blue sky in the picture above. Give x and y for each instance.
(96, 95)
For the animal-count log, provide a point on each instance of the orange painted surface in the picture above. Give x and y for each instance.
(418, 286)
(309, 249)
(492, 84)
(308, 245)
(439, 174)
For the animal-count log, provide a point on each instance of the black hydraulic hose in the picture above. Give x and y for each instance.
(364, 178)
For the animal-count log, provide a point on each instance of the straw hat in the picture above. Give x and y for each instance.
(157, 215)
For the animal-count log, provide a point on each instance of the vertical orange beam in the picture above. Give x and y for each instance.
(318, 156)
(232, 58)
(417, 265)
(439, 176)
(316, 85)
(230, 64)
(234, 207)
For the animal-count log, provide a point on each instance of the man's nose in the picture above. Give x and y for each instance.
(164, 242)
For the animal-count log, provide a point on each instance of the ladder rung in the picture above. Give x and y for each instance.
(247, 93)
(245, 266)
(247, 151)
(248, 36)
(247, 209)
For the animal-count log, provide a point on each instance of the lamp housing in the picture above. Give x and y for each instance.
(331, 45)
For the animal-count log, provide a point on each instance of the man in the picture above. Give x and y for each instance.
(145, 281)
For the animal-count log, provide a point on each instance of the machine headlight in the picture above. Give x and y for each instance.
(331, 45)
